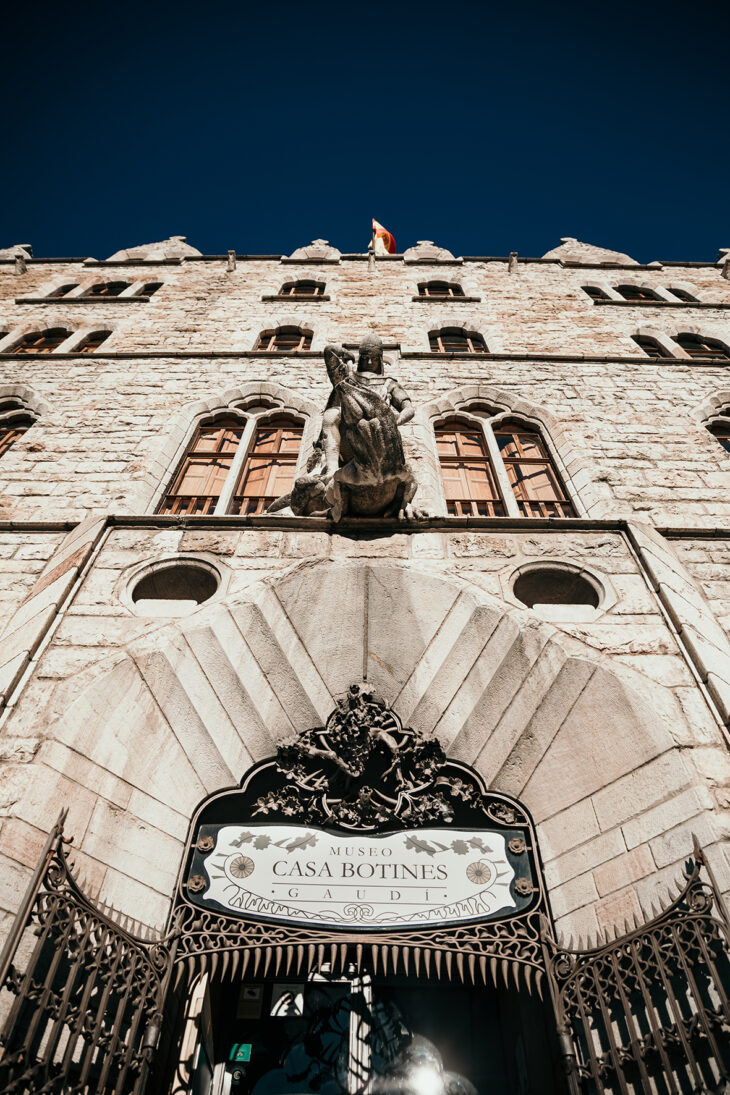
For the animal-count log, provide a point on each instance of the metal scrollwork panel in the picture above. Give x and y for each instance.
(86, 996)
(649, 1012)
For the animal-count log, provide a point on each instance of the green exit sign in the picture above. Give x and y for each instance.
(240, 1052)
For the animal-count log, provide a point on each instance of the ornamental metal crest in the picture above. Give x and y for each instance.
(362, 823)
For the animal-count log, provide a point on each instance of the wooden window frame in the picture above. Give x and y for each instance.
(468, 506)
(453, 290)
(561, 505)
(269, 338)
(595, 292)
(289, 288)
(226, 500)
(708, 346)
(660, 355)
(491, 427)
(643, 294)
(90, 343)
(248, 504)
(719, 427)
(436, 341)
(101, 289)
(23, 345)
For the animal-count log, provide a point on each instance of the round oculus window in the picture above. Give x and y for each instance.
(550, 585)
(174, 588)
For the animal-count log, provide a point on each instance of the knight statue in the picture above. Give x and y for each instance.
(358, 466)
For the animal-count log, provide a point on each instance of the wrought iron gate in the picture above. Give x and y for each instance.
(649, 1012)
(644, 1014)
(85, 995)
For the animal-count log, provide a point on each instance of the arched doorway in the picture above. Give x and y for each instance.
(362, 916)
(414, 980)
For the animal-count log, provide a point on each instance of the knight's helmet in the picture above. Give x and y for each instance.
(370, 355)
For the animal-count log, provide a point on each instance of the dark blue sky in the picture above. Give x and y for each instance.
(487, 128)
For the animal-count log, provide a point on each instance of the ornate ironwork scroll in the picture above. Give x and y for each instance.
(363, 772)
(86, 1002)
(649, 1012)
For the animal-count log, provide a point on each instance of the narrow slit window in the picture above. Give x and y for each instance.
(62, 290)
(199, 480)
(682, 294)
(270, 465)
(701, 346)
(534, 480)
(466, 470)
(150, 288)
(454, 340)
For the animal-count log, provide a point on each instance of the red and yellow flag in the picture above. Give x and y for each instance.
(382, 239)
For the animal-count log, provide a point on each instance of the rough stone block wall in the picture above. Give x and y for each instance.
(612, 730)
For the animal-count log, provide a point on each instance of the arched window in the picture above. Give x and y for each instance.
(701, 346)
(535, 483)
(595, 293)
(15, 420)
(269, 469)
(106, 289)
(61, 290)
(307, 289)
(439, 290)
(650, 346)
(41, 342)
(637, 292)
(720, 428)
(498, 468)
(455, 340)
(682, 294)
(92, 342)
(466, 470)
(199, 480)
(150, 288)
(285, 340)
(236, 465)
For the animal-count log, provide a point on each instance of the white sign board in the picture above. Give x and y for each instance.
(414, 877)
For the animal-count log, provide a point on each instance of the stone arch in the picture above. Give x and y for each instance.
(586, 744)
(27, 398)
(160, 463)
(712, 406)
(570, 462)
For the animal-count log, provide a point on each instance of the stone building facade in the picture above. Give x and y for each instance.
(606, 717)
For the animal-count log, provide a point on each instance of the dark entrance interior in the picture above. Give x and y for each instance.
(373, 1037)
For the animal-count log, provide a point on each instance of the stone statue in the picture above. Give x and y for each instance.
(358, 466)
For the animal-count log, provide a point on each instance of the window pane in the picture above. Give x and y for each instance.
(534, 480)
(466, 471)
(269, 469)
(199, 481)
